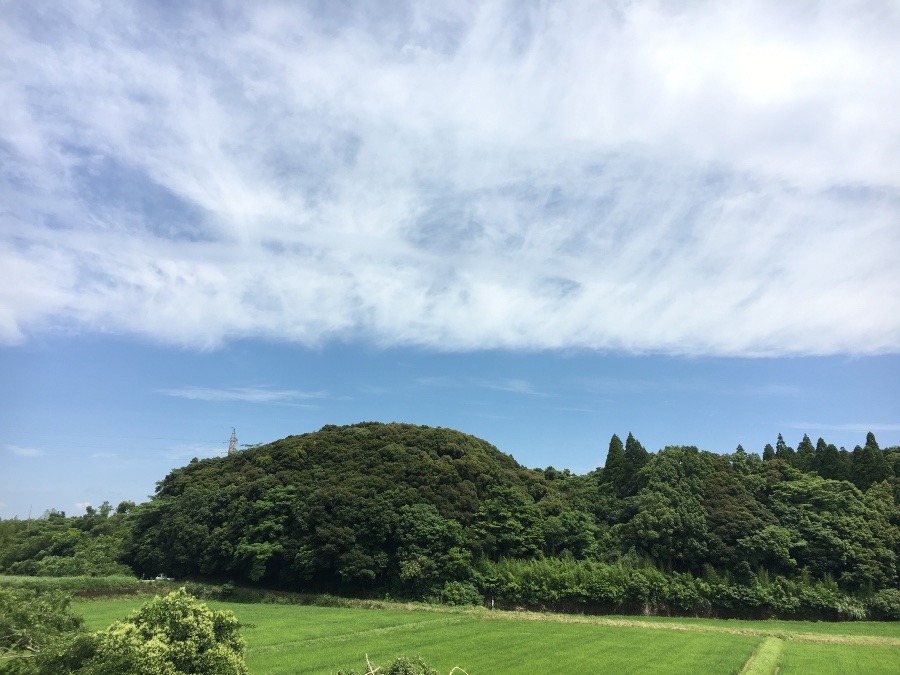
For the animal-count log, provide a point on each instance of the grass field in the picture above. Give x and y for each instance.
(308, 639)
(803, 658)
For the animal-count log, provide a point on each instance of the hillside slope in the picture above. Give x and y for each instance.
(343, 505)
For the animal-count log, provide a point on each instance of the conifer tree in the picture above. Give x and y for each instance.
(783, 451)
(868, 464)
(805, 455)
(635, 457)
(614, 467)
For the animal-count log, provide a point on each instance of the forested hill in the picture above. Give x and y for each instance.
(332, 506)
(421, 512)
(449, 469)
(408, 510)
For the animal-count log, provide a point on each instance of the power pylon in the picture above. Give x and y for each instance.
(232, 442)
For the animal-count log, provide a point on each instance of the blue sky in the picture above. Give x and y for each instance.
(537, 223)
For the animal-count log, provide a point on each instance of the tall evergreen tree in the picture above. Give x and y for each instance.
(821, 447)
(830, 462)
(768, 453)
(783, 450)
(805, 455)
(635, 457)
(868, 464)
(614, 467)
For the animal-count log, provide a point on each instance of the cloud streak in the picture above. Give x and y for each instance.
(25, 451)
(512, 386)
(716, 179)
(241, 394)
(857, 427)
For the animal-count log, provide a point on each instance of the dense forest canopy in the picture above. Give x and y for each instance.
(432, 512)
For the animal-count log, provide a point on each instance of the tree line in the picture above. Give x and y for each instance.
(421, 512)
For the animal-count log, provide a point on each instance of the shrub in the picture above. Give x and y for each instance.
(885, 604)
(459, 593)
(31, 623)
(401, 666)
(168, 635)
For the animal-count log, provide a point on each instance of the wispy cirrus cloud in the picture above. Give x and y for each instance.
(243, 394)
(608, 386)
(23, 451)
(638, 177)
(856, 427)
(512, 386)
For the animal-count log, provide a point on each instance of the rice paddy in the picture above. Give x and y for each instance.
(311, 639)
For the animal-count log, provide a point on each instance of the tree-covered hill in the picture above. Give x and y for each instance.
(344, 505)
(424, 512)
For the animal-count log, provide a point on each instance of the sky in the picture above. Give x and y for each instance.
(538, 223)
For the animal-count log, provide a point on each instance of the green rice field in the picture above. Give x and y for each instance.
(311, 639)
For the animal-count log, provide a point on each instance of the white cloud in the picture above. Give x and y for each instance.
(25, 451)
(857, 427)
(718, 178)
(245, 394)
(512, 385)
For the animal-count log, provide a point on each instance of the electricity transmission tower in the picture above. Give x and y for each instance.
(232, 442)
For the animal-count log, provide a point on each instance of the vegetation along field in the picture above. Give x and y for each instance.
(310, 639)
(696, 547)
(432, 514)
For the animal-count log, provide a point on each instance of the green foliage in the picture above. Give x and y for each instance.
(581, 585)
(669, 521)
(614, 468)
(288, 639)
(832, 531)
(375, 508)
(732, 513)
(54, 545)
(347, 508)
(868, 465)
(829, 462)
(507, 524)
(432, 514)
(78, 585)
(32, 624)
(399, 666)
(635, 457)
(459, 593)
(169, 635)
(783, 451)
(885, 604)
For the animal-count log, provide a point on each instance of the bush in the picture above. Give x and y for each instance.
(31, 624)
(459, 593)
(401, 666)
(80, 585)
(169, 635)
(885, 604)
(404, 666)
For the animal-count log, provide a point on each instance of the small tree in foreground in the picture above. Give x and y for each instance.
(170, 635)
(32, 623)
